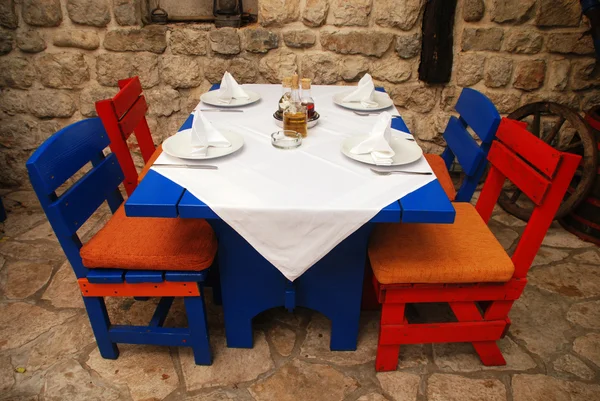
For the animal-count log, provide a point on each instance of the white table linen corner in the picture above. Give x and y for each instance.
(294, 206)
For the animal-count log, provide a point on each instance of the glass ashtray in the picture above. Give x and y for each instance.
(286, 139)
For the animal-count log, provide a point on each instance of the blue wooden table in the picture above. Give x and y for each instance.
(251, 285)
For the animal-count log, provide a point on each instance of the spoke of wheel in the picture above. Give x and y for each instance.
(555, 131)
(536, 123)
(515, 196)
(573, 146)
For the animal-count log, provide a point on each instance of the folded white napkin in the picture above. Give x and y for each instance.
(364, 93)
(377, 143)
(204, 134)
(230, 89)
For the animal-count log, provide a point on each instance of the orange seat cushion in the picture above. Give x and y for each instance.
(441, 172)
(463, 252)
(151, 161)
(140, 243)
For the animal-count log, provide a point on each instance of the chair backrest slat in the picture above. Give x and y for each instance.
(65, 153)
(515, 169)
(517, 163)
(123, 115)
(464, 147)
(131, 90)
(479, 113)
(56, 161)
(80, 201)
(133, 117)
(537, 152)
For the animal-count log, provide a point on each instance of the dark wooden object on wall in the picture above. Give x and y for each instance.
(436, 50)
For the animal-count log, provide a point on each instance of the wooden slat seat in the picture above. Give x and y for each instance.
(151, 243)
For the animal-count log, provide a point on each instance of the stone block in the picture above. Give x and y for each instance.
(188, 42)
(585, 314)
(558, 75)
(127, 12)
(315, 12)
(62, 70)
(278, 12)
(473, 10)
(573, 366)
(42, 12)
(392, 70)
(523, 41)
(90, 95)
(277, 65)
(13, 102)
(87, 40)
(110, 68)
(151, 38)
(8, 16)
(469, 69)
(398, 14)
(224, 41)
(214, 68)
(570, 42)
(498, 71)
(353, 68)
(181, 71)
(422, 99)
(588, 346)
(351, 13)
(568, 99)
(454, 388)
(558, 13)
(25, 278)
(581, 74)
(541, 388)
(6, 41)
(408, 46)
(89, 12)
(50, 103)
(299, 38)
(30, 41)
(514, 11)
(23, 132)
(162, 102)
(245, 70)
(69, 380)
(260, 40)
(17, 72)
(322, 68)
(482, 39)
(530, 74)
(369, 43)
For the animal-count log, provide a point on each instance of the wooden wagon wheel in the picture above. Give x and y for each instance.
(566, 131)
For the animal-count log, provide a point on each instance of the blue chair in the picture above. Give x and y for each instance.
(128, 257)
(479, 113)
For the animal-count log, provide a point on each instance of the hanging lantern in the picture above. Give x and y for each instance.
(228, 13)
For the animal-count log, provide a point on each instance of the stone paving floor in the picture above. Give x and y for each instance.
(552, 349)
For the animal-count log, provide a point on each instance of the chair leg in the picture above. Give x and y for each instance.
(387, 355)
(198, 325)
(100, 322)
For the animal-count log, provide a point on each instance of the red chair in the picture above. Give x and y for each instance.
(121, 116)
(463, 263)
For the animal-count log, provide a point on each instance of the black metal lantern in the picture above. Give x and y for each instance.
(228, 13)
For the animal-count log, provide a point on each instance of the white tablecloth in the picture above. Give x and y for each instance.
(294, 206)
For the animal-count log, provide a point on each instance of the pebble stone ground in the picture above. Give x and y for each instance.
(552, 349)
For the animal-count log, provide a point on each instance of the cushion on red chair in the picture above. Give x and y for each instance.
(140, 243)
(463, 252)
(441, 172)
(151, 161)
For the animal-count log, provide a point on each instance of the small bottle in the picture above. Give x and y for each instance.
(307, 100)
(294, 118)
(286, 94)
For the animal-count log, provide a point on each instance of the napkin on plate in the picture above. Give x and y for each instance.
(230, 89)
(377, 143)
(204, 134)
(364, 93)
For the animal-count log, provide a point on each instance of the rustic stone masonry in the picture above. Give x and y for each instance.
(58, 57)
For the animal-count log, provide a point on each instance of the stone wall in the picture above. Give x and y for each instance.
(59, 56)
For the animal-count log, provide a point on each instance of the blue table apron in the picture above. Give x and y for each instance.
(250, 284)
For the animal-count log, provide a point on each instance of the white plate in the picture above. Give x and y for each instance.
(405, 151)
(213, 99)
(179, 145)
(383, 102)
